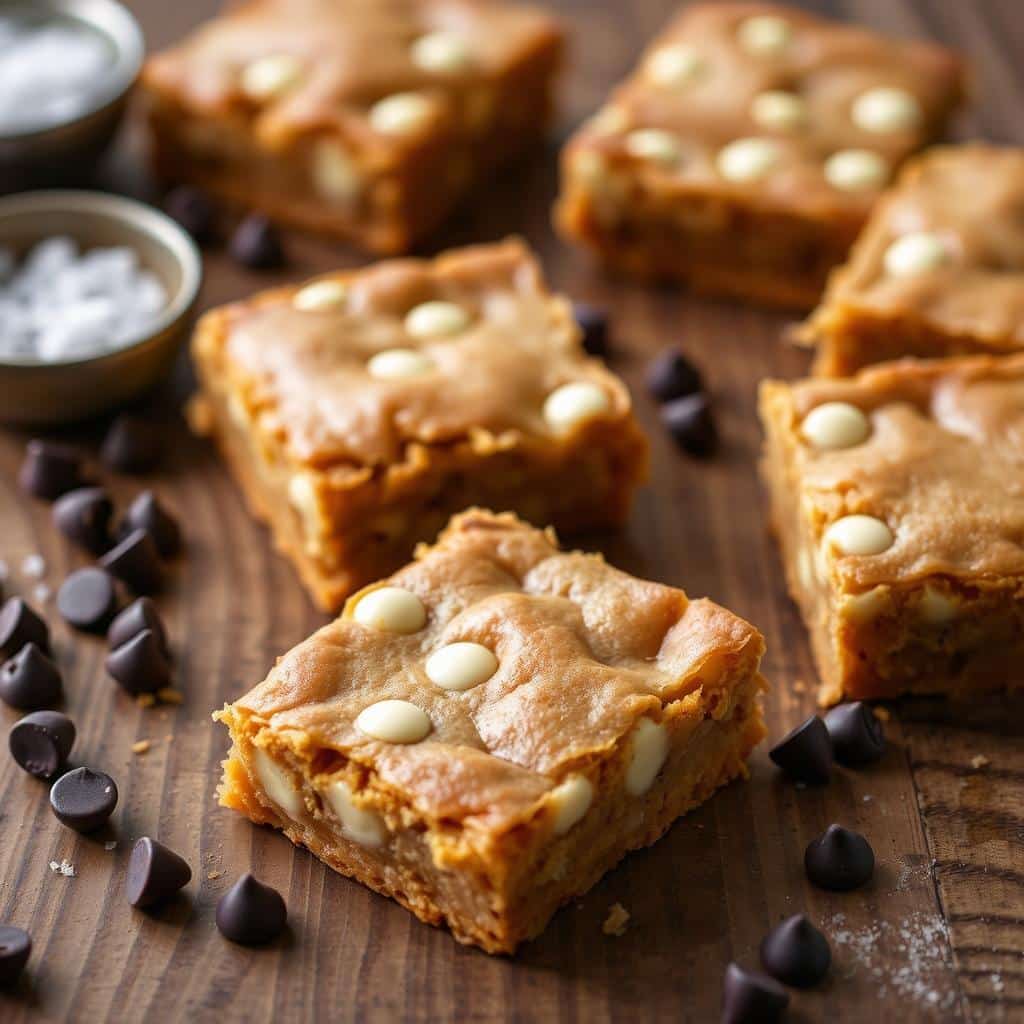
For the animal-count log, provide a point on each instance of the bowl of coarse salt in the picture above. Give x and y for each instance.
(96, 293)
(66, 70)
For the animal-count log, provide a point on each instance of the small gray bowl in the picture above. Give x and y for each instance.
(38, 394)
(47, 152)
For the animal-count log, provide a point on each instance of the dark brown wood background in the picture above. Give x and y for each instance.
(939, 934)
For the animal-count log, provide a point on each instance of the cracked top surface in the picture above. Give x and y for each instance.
(942, 466)
(584, 652)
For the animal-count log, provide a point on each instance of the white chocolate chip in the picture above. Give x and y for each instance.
(571, 801)
(835, 425)
(460, 666)
(399, 364)
(916, 253)
(394, 721)
(270, 77)
(391, 610)
(650, 748)
(441, 52)
(859, 535)
(609, 121)
(765, 35)
(856, 170)
(675, 66)
(783, 111)
(653, 144)
(571, 404)
(434, 319)
(401, 114)
(358, 824)
(335, 174)
(276, 784)
(747, 159)
(937, 608)
(862, 609)
(320, 297)
(886, 109)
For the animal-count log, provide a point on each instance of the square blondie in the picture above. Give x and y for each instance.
(939, 269)
(898, 499)
(485, 734)
(367, 121)
(360, 411)
(745, 153)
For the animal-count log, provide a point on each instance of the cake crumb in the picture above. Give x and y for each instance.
(883, 713)
(169, 695)
(141, 746)
(42, 593)
(63, 867)
(799, 686)
(979, 761)
(616, 921)
(145, 700)
(110, 844)
(211, 875)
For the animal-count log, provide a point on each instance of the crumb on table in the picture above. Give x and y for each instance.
(616, 921)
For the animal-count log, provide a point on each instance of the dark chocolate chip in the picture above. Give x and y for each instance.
(146, 513)
(796, 953)
(30, 681)
(749, 997)
(15, 947)
(593, 322)
(671, 375)
(155, 873)
(83, 515)
(40, 742)
(805, 754)
(193, 210)
(20, 625)
(83, 799)
(856, 733)
(136, 562)
(256, 244)
(139, 615)
(50, 470)
(251, 913)
(839, 859)
(691, 424)
(132, 445)
(87, 599)
(140, 665)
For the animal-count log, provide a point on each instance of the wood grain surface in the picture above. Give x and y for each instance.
(938, 935)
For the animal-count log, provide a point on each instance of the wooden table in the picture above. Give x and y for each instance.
(939, 934)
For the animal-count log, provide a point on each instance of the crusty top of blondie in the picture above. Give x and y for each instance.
(358, 367)
(944, 248)
(775, 104)
(562, 657)
(932, 450)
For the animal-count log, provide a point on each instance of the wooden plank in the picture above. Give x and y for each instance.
(920, 944)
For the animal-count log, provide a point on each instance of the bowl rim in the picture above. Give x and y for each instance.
(122, 210)
(116, 23)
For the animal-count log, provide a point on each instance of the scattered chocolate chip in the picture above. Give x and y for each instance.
(155, 873)
(839, 859)
(140, 665)
(87, 600)
(593, 322)
(84, 799)
(132, 445)
(805, 754)
(30, 681)
(83, 515)
(671, 375)
(691, 424)
(251, 913)
(146, 513)
(50, 470)
(139, 615)
(749, 997)
(856, 733)
(256, 244)
(136, 562)
(20, 625)
(796, 953)
(15, 947)
(40, 742)
(193, 210)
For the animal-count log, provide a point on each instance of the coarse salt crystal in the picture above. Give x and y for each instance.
(33, 566)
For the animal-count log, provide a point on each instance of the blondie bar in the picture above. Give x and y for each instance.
(898, 499)
(486, 733)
